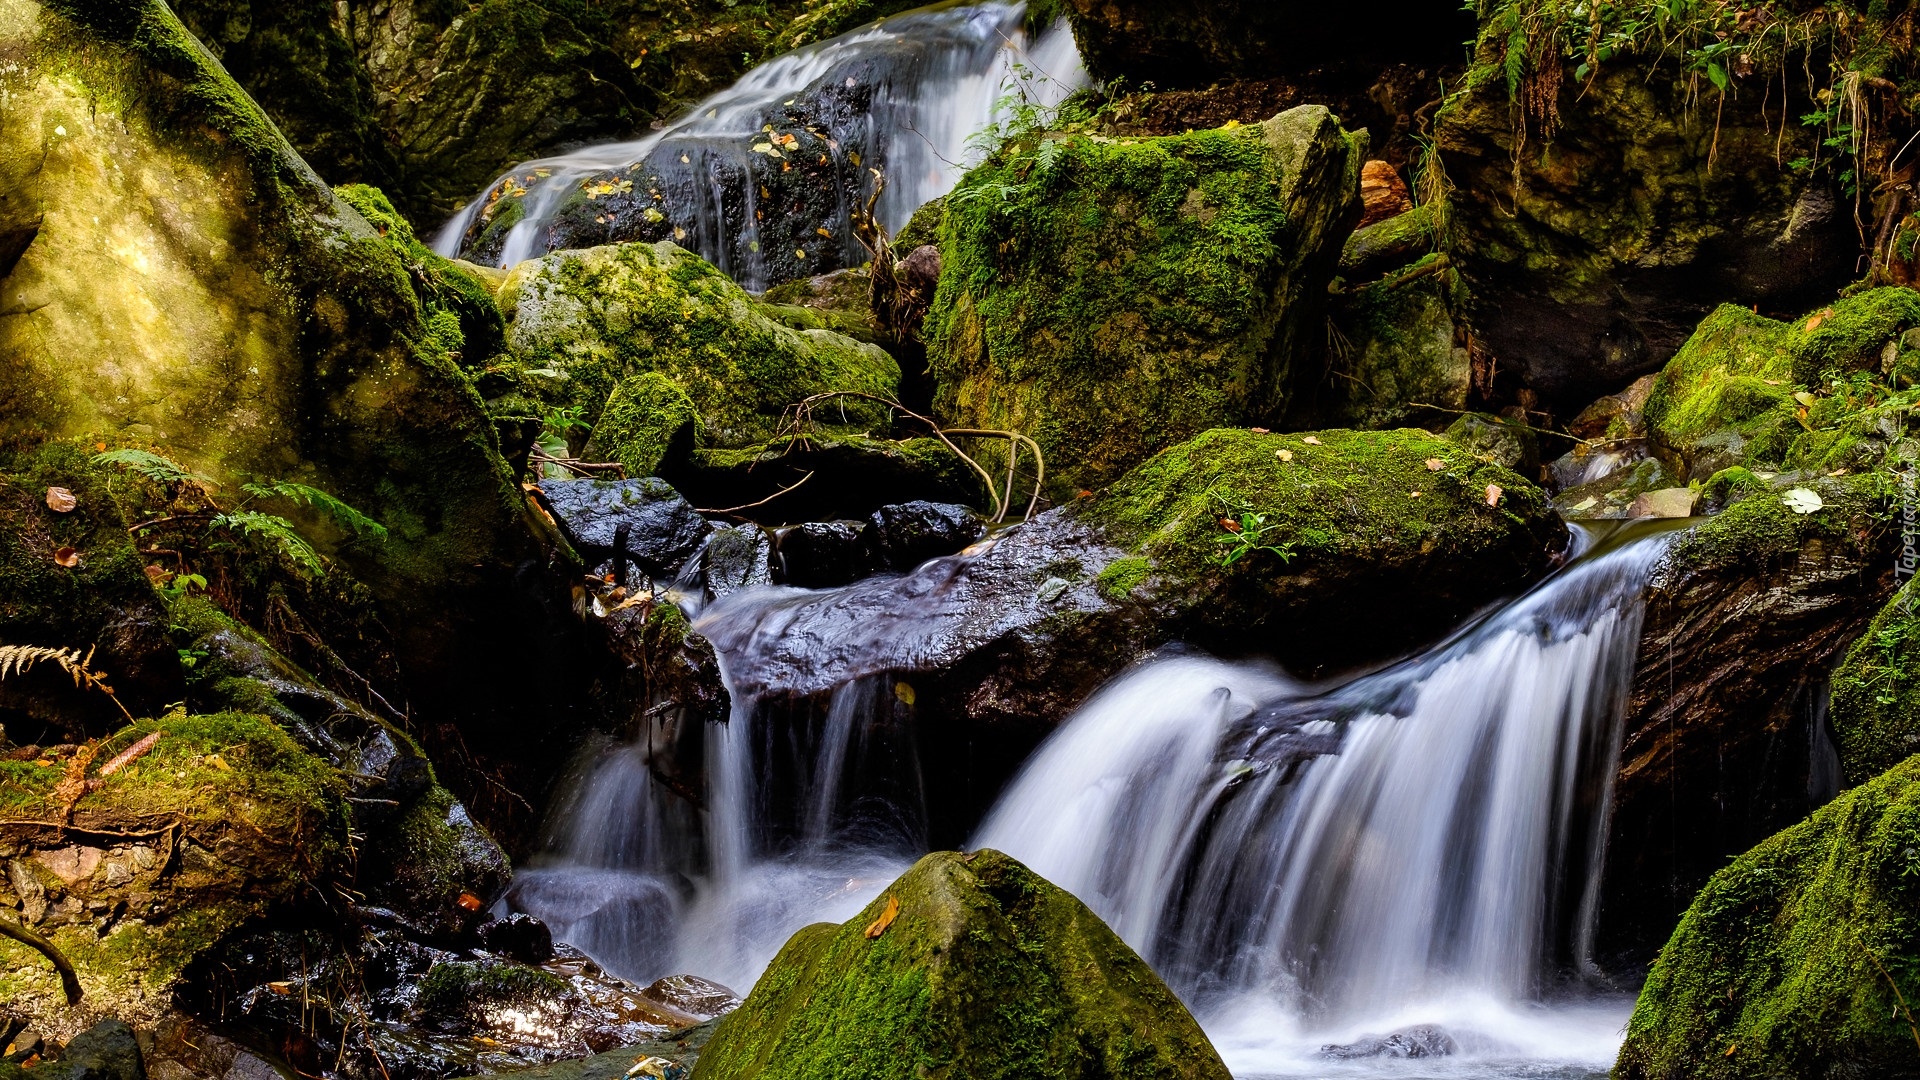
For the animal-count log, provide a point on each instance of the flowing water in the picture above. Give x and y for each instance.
(903, 96)
(1307, 866)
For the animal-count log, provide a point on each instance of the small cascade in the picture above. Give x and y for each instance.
(1420, 845)
(761, 179)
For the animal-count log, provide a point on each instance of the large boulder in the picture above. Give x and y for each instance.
(1797, 958)
(968, 965)
(1595, 220)
(1198, 44)
(179, 280)
(1011, 635)
(1112, 297)
(589, 321)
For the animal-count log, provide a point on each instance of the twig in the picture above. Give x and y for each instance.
(1017, 438)
(762, 502)
(1518, 424)
(69, 979)
(805, 408)
(581, 467)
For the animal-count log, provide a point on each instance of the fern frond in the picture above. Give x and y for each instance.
(343, 515)
(18, 659)
(163, 470)
(278, 530)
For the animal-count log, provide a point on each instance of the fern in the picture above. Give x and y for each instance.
(19, 659)
(163, 470)
(343, 515)
(277, 530)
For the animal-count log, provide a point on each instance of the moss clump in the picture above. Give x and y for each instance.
(647, 418)
(1122, 576)
(985, 970)
(458, 986)
(1365, 498)
(441, 285)
(1787, 962)
(601, 316)
(1875, 704)
(1731, 375)
(1111, 297)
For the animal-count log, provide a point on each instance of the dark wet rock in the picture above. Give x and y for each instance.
(1508, 443)
(105, 1051)
(976, 959)
(821, 554)
(905, 535)
(1402, 359)
(824, 476)
(1198, 44)
(661, 529)
(694, 995)
(1418, 1041)
(737, 557)
(679, 1049)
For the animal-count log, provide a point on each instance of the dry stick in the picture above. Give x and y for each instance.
(805, 406)
(762, 502)
(69, 979)
(1039, 461)
(578, 466)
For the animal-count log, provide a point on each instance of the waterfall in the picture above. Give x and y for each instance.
(1421, 844)
(752, 177)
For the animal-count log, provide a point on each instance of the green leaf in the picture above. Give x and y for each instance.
(1718, 76)
(163, 470)
(277, 530)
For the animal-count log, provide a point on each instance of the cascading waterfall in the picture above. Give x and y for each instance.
(752, 177)
(1421, 845)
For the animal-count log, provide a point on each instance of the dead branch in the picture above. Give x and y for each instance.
(762, 502)
(69, 978)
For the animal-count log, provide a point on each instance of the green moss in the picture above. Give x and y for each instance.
(442, 287)
(1348, 497)
(985, 971)
(1853, 334)
(1787, 962)
(1122, 576)
(648, 417)
(456, 986)
(1732, 374)
(603, 315)
(1110, 297)
(1874, 709)
(1411, 232)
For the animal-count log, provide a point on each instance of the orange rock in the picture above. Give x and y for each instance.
(1382, 193)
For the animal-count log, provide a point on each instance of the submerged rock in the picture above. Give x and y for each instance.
(1419, 1041)
(1113, 297)
(967, 965)
(1786, 963)
(106, 1051)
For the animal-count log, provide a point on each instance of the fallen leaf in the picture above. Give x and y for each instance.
(281, 988)
(1802, 500)
(1083, 493)
(1731, 1047)
(892, 912)
(823, 232)
(1413, 494)
(67, 557)
(1311, 441)
(1283, 455)
(904, 691)
(1434, 464)
(61, 501)
(469, 902)
(1258, 430)
(1772, 382)
(800, 254)
(1805, 398)
(1493, 494)
(215, 761)
(158, 574)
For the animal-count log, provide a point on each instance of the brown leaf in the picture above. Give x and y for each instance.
(469, 902)
(1434, 464)
(61, 501)
(1230, 525)
(67, 557)
(159, 575)
(892, 912)
(1258, 430)
(1493, 494)
(1311, 441)
(281, 988)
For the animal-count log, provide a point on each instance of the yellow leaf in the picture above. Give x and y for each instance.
(892, 912)
(1311, 441)
(218, 762)
(904, 692)
(1283, 455)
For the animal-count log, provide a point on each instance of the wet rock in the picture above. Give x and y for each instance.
(106, 1051)
(1390, 243)
(694, 995)
(1401, 359)
(824, 476)
(1506, 442)
(821, 554)
(1419, 1041)
(1194, 328)
(1382, 193)
(680, 1049)
(970, 958)
(905, 535)
(737, 557)
(1615, 416)
(1802, 925)
(662, 530)
(518, 937)
(1663, 503)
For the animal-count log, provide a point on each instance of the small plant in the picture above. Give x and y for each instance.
(1246, 531)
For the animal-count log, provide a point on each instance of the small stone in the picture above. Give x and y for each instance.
(1675, 502)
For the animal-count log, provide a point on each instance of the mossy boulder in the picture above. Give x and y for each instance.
(1399, 359)
(1593, 242)
(590, 320)
(224, 818)
(1874, 710)
(1799, 958)
(1110, 297)
(180, 280)
(968, 965)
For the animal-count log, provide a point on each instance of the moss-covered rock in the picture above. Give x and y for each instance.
(647, 421)
(1595, 220)
(223, 818)
(594, 318)
(969, 965)
(1799, 958)
(1874, 710)
(1112, 297)
(1397, 359)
